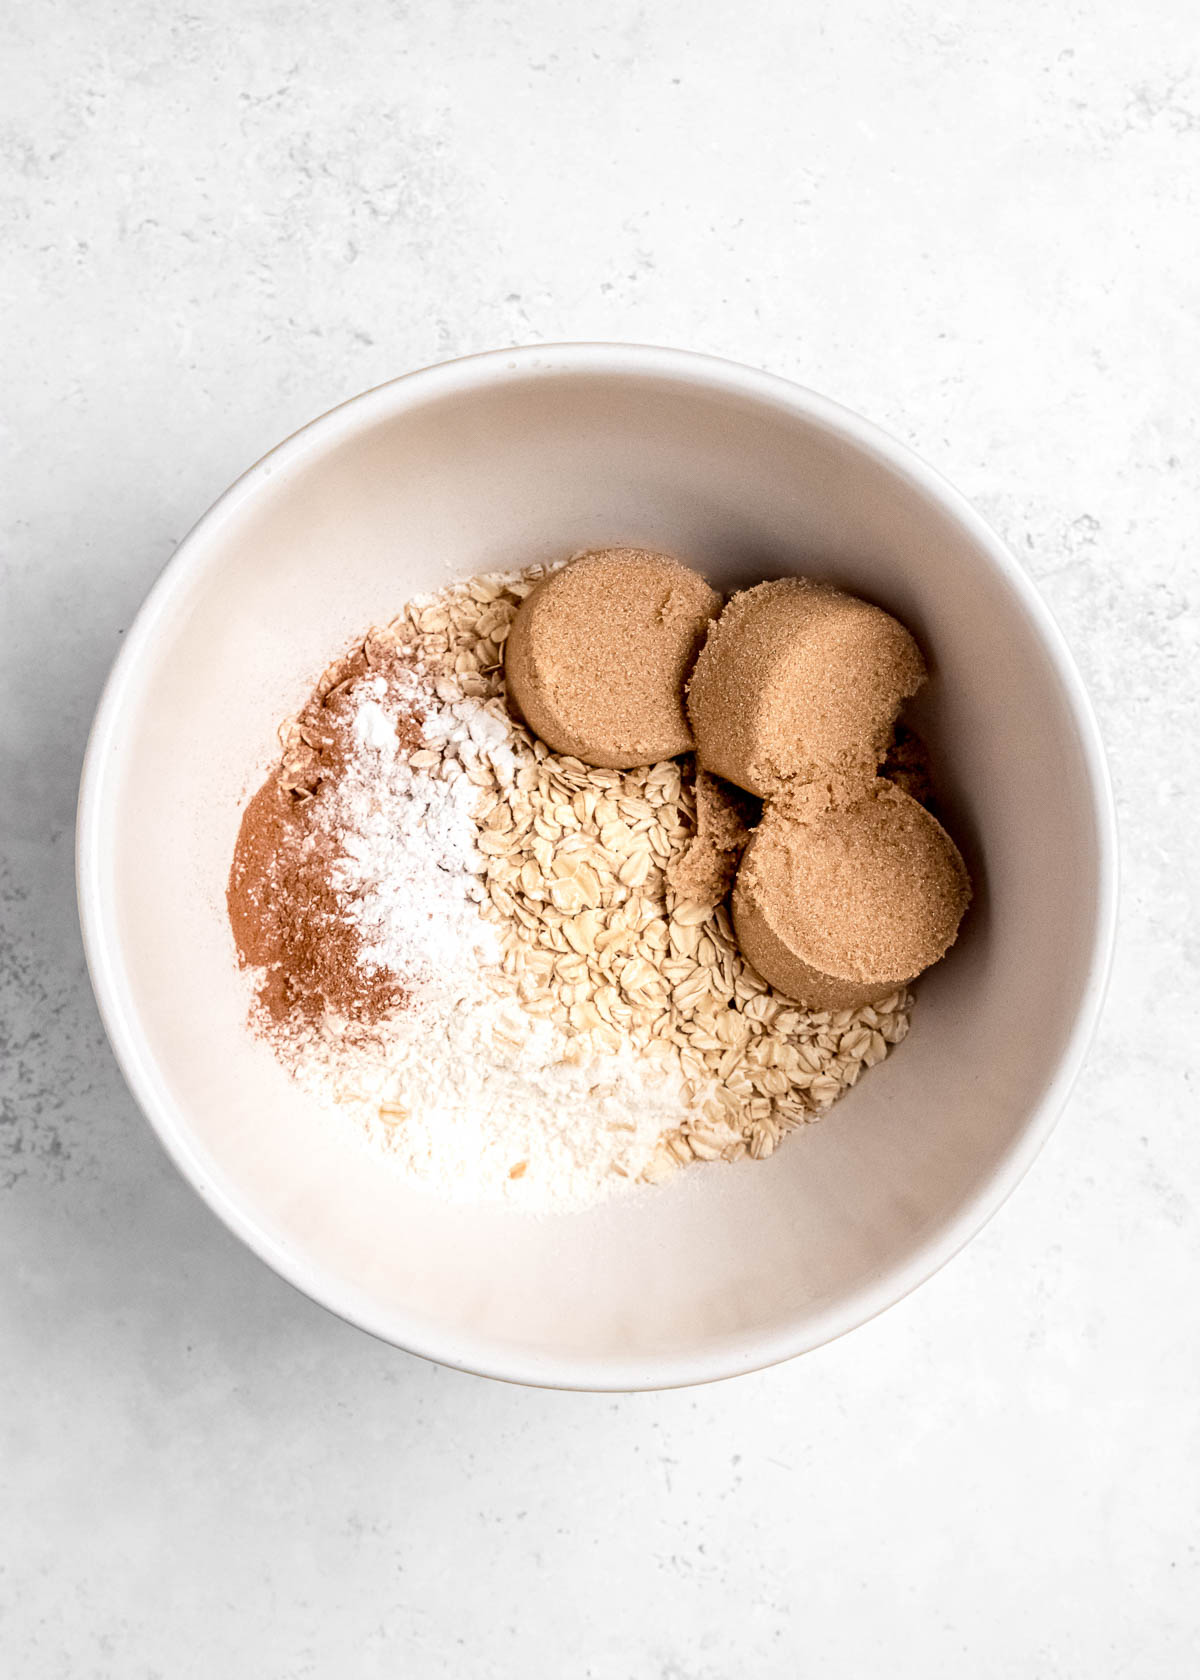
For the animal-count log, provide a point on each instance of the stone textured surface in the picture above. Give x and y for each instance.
(975, 224)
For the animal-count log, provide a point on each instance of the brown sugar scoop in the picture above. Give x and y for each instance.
(600, 651)
(799, 682)
(840, 905)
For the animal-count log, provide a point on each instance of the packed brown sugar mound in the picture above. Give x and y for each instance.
(908, 765)
(600, 651)
(799, 682)
(838, 905)
(725, 817)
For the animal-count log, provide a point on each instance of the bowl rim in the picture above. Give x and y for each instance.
(476, 1353)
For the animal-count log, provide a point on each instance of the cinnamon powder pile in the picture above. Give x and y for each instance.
(287, 917)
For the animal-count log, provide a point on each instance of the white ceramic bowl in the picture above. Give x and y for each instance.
(525, 455)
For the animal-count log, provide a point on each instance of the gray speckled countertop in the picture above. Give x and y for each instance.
(977, 226)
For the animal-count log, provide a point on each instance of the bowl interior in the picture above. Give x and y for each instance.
(497, 464)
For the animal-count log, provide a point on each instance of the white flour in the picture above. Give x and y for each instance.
(410, 862)
(464, 1090)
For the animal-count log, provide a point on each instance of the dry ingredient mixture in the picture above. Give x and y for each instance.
(516, 972)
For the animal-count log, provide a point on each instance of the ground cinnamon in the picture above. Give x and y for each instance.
(285, 913)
